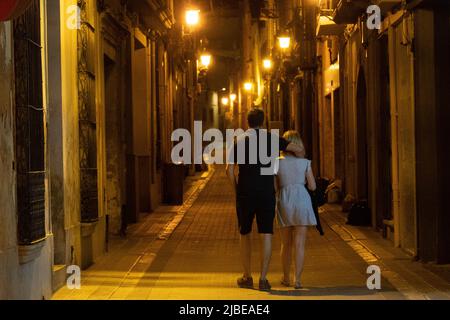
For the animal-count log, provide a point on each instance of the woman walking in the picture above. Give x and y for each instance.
(294, 208)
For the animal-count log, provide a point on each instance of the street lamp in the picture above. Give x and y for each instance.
(225, 101)
(284, 42)
(205, 60)
(192, 17)
(233, 97)
(267, 64)
(248, 86)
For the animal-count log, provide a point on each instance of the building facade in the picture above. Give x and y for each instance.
(91, 92)
(369, 102)
(372, 122)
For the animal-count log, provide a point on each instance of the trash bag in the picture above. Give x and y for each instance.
(348, 202)
(359, 214)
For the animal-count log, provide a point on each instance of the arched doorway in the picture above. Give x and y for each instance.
(361, 135)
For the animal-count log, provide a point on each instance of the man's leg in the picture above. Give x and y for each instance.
(266, 254)
(246, 254)
(245, 217)
(265, 217)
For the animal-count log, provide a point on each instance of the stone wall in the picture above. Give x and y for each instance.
(31, 280)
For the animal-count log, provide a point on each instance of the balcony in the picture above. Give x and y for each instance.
(348, 11)
(387, 5)
(327, 27)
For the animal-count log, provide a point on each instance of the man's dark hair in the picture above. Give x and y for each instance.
(255, 118)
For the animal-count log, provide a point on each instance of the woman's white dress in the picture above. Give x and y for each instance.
(294, 207)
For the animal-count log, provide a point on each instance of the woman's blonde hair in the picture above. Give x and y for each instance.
(294, 137)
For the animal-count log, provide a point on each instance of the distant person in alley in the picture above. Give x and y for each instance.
(255, 191)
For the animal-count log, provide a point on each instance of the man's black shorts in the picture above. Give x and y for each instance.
(262, 206)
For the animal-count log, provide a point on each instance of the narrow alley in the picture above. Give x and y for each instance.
(200, 259)
(116, 122)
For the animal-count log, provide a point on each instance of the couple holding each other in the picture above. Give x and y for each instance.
(282, 194)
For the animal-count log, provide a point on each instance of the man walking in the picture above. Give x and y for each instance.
(255, 192)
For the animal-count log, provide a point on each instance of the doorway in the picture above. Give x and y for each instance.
(114, 147)
(338, 128)
(384, 154)
(361, 135)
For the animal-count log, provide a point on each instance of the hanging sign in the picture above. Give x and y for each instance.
(10, 9)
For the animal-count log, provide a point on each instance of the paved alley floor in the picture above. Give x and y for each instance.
(200, 259)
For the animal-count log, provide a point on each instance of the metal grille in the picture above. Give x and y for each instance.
(87, 114)
(29, 127)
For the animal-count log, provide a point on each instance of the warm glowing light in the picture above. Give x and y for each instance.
(334, 66)
(205, 60)
(248, 86)
(326, 20)
(267, 63)
(225, 101)
(284, 42)
(192, 17)
(233, 97)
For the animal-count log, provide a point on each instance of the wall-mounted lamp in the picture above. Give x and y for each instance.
(248, 86)
(284, 42)
(205, 60)
(267, 64)
(192, 17)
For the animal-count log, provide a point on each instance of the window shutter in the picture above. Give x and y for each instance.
(30, 148)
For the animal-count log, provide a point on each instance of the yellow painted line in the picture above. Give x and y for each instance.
(175, 222)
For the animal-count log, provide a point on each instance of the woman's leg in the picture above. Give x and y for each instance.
(299, 249)
(286, 252)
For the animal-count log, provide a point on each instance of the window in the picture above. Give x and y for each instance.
(29, 131)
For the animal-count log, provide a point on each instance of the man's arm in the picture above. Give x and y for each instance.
(231, 174)
(296, 149)
(276, 184)
(232, 166)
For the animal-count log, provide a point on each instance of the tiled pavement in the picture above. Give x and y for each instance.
(200, 260)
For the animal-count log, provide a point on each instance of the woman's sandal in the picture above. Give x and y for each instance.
(285, 283)
(298, 286)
